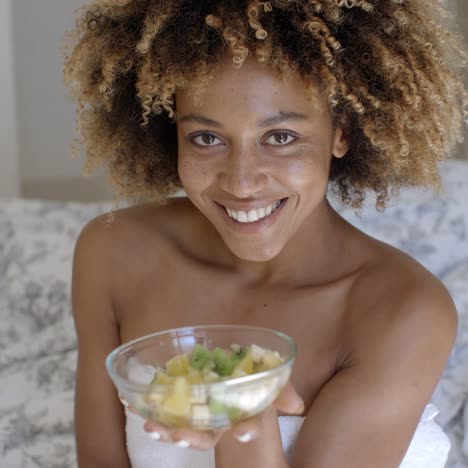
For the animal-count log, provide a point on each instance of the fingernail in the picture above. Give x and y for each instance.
(246, 437)
(183, 443)
(154, 435)
(300, 407)
(123, 400)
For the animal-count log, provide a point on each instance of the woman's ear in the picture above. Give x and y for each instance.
(340, 143)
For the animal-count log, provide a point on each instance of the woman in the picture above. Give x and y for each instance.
(254, 109)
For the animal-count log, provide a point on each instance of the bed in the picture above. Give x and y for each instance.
(37, 337)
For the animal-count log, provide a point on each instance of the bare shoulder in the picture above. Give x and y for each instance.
(397, 300)
(145, 218)
(139, 241)
(130, 231)
(398, 331)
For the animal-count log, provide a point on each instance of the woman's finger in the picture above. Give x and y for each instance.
(247, 430)
(289, 401)
(202, 440)
(185, 437)
(157, 431)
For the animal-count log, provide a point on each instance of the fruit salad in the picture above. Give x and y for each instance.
(178, 401)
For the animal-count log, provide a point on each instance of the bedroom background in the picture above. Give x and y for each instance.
(45, 202)
(37, 120)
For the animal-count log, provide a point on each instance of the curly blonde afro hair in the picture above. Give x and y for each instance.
(392, 72)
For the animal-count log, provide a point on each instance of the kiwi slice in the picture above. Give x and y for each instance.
(200, 357)
(217, 407)
(223, 363)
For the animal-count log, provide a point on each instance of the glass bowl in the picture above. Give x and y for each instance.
(206, 406)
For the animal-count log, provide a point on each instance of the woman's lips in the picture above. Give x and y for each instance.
(253, 226)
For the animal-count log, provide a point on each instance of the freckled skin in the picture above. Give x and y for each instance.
(242, 165)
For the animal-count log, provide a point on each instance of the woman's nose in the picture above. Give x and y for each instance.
(243, 175)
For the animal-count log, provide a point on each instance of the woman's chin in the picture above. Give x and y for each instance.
(255, 254)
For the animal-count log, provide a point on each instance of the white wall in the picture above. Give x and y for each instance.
(9, 178)
(46, 117)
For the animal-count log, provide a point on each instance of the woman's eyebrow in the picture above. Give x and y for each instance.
(199, 119)
(273, 120)
(281, 117)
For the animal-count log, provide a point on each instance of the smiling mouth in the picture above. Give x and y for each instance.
(254, 215)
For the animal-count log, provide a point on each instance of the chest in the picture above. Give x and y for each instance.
(187, 297)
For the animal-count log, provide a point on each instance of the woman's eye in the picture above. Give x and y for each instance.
(280, 139)
(205, 139)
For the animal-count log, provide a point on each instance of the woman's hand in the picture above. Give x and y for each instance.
(287, 402)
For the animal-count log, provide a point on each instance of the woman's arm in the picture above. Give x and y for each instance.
(365, 416)
(99, 417)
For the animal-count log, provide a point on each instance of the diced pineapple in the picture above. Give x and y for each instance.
(238, 373)
(178, 365)
(257, 352)
(194, 376)
(178, 402)
(272, 359)
(161, 377)
(269, 360)
(246, 364)
(181, 386)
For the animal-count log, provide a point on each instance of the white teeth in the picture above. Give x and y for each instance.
(253, 215)
(242, 217)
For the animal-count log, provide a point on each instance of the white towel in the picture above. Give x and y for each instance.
(428, 449)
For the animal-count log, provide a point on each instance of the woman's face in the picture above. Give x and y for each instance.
(255, 156)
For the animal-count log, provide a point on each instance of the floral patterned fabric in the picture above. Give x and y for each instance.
(37, 336)
(433, 228)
